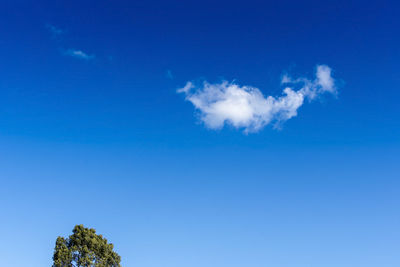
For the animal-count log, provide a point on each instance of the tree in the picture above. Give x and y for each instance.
(84, 248)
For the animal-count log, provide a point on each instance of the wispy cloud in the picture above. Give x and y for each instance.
(76, 53)
(55, 31)
(79, 54)
(168, 75)
(246, 107)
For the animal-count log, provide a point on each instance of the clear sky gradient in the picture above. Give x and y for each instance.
(93, 132)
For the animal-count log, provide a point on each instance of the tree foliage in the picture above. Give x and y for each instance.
(84, 248)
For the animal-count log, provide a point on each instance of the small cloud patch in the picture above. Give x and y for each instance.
(55, 31)
(247, 108)
(79, 54)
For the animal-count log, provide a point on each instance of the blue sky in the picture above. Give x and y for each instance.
(94, 132)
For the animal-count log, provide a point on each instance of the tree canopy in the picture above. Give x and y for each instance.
(84, 248)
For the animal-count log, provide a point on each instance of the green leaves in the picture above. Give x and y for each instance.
(84, 248)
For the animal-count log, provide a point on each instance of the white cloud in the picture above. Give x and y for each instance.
(79, 54)
(247, 108)
(324, 79)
